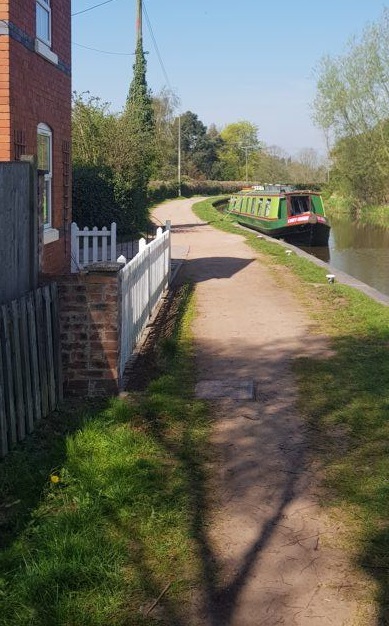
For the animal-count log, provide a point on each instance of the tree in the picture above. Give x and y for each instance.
(352, 108)
(166, 148)
(92, 128)
(135, 141)
(199, 148)
(239, 154)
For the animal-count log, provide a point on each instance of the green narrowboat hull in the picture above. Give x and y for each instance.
(296, 216)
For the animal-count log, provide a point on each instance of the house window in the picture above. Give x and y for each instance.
(43, 21)
(45, 163)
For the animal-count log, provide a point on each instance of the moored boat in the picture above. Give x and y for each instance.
(282, 212)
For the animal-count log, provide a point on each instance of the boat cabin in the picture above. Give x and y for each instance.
(276, 205)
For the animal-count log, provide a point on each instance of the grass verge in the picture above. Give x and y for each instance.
(99, 522)
(345, 401)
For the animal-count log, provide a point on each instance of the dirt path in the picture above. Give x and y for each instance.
(268, 535)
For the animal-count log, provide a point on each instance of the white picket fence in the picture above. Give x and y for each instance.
(92, 245)
(143, 282)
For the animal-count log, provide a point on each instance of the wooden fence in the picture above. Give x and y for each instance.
(143, 282)
(30, 363)
(92, 246)
(19, 231)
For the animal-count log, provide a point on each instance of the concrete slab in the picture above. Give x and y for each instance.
(233, 389)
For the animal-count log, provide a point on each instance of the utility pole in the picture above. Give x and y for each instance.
(179, 155)
(246, 149)
(139, 22)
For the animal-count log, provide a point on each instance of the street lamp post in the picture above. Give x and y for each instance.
(179, 155)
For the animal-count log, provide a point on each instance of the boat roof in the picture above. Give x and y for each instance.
(274, 190)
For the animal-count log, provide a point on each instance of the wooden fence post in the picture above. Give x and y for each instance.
(169, 253)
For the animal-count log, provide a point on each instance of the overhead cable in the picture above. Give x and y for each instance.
(93, 7)
(125, 54)
(156, 48)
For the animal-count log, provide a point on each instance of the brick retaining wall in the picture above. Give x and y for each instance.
(90, 309)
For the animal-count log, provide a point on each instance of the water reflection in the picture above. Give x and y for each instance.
(360, 250)
(322, 252)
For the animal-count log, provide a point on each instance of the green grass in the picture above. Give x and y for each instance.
(108, 515)
(345, 401)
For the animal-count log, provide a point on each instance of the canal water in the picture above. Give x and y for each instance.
(360, 250)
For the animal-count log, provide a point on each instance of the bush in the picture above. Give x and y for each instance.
(162, 190)
(100, 196)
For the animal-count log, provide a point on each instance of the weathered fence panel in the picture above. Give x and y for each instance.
(30, 371)
(143, 281)
(19, 254)
(92, 246)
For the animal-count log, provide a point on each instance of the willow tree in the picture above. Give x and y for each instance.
(352, 108)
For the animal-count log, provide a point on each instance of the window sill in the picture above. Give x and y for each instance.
(44, 51)
(50, 235)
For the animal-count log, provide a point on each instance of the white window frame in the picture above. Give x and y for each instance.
(45, 6)
(49, 233)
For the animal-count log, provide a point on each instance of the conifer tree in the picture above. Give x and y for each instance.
(136, 141)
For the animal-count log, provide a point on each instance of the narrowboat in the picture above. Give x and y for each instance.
(282, 212)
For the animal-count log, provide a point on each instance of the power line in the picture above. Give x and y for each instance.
(93, 7)
(156, 48)
(126, 54)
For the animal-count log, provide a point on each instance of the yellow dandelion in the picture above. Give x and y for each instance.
(54, 478)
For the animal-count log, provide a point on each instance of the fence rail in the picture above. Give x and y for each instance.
(30, 364)
(143, 281)
(92, 245)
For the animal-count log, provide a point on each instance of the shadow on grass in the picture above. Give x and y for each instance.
(25, 472)
(346, 400)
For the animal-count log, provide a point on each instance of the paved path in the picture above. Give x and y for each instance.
(268, 536)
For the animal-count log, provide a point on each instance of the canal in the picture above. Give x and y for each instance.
(360, 250)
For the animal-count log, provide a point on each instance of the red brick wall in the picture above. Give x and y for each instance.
(89, 320)
(5, 115)
(39, 92)
(56, 258)
(22, 14)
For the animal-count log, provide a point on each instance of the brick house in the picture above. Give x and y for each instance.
(35, 109)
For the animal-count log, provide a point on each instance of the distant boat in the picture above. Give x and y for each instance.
(282, 212)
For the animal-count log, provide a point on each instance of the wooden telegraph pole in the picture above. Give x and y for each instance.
(139, 22)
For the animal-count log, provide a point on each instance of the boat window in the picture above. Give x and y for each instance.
(267, 207)
(260, 206)
(299, 204)
(252, 205)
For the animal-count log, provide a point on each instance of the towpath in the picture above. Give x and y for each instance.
(268, 539)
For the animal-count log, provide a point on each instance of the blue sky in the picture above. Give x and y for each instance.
(226, 60)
